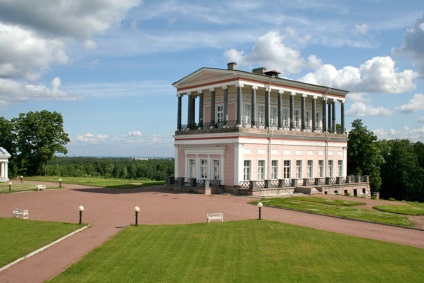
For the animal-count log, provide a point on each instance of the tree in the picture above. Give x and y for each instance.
(40, 135)
(8, 142)
(364, 157)
(402, 176)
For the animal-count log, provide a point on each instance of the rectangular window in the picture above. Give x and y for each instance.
(340, 168)
(261, 114)
(274, 116)
(192, 168)
(261, 169)
(296, 118)
(330, 168)
(307, 118)
(285, 118)
(286, 169)
(298, 169)
(219, 113)
(274, 169)
(321, 168)
(246, 170)
(318, 120)
(309, 169)
(203, 169)
(247, 113)
(216, 170)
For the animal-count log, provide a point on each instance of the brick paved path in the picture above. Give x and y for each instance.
(108, 211)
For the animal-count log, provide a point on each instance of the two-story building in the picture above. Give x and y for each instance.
(257, 133)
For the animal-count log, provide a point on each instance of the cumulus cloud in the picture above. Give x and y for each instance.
(12, 92)
(34, 35)
(375, 75)
(416, 103)
(413, 42)
(364, 109)
(406, 133)
(271, 52)
(134, 134)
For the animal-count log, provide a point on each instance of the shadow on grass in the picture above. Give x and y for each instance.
(121, 189)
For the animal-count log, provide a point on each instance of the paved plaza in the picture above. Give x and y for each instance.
(108, 211)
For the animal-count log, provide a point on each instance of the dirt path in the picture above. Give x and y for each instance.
(108, 211)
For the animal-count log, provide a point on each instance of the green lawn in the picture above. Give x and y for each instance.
(20, 237)
(17, 186)
(410, 208)
(344, 209)
(244, 251)
(98, 182)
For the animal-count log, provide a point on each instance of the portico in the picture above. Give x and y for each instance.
(4, 163)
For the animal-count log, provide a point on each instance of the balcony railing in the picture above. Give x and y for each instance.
(327, 181)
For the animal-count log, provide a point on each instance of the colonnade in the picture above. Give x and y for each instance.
(328, 110)
(4, 170)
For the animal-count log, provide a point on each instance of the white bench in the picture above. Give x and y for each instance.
(40, 187)
(215, 216)
(20, 213)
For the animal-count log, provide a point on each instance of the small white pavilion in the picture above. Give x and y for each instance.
(4, 163)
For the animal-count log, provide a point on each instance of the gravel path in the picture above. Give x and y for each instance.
(108, 211)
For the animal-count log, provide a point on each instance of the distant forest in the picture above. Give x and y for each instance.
(121, 168)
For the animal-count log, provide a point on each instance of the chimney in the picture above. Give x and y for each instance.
(259, 71)
(232, 66)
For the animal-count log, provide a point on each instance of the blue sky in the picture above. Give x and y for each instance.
(107, 66)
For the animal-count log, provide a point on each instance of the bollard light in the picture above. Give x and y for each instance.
(81, 209)
(60, 183)
(22, 178)
(259, 205)
(10, 187)
(136, 210)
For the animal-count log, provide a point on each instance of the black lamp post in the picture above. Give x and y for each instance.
(22, 178)
(10, 187)
(259, 205)
(60, 183)
(136, 210)
(81, 209)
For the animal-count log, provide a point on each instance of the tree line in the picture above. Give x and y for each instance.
(121, 168)
(395, 167)
(32, 139)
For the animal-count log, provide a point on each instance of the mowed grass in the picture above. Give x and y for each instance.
(20, 237)
(244, 251)
(98, 182)
(410, 208)
(339, 208)
(17, 186)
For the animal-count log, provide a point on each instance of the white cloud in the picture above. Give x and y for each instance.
(34, 36)
(13, 92)
(413, 42)
(271, 52)
(416, 103)
(413, 135)
(361, 28)
(375, 75)
(365, 109)
(134, 134)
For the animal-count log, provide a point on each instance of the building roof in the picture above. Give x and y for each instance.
(4, 153)
(207, 78)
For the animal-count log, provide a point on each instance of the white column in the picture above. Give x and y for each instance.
(1, 170)
(186, 166)
(210, 168)
(344, 162)
(238, 163)
(176, 175)
(6, 170)
(221, 172)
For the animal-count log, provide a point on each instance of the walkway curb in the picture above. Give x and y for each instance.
(43, 248)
